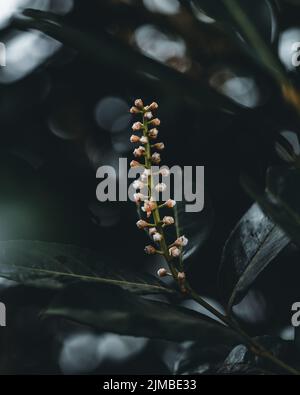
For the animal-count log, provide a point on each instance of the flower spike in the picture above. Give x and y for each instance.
(149, 154)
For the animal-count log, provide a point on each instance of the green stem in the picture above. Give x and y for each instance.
(156, 213)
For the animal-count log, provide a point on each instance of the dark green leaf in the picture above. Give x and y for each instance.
(110, 308)
(220, 359)
(52, 265)
(197, 359)
(251, 247)
(281, 199)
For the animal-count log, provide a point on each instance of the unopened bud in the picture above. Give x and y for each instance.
(139, 152)
(159, 146)
(170, 203)
(145, 176)
(134, 110)
(157, 237)
(153, 133)
(155, 122)
(153, 106)
(134, 163)
(134, 139)
(174, 252)
(141, 224)
(152, 231)
(181, 241)
(137, 126)
(168, 220)
(150, 250)
(149, 206)
(139, 104)
(148, 115)
(156, 159)
(144, 140)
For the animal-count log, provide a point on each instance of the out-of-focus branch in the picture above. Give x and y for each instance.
(111, 53)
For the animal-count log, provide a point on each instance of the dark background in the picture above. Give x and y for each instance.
(64, 113)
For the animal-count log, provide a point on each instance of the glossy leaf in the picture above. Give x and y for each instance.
(196, 359)
(251, 247)
(52, 265)
(109, 308)
(221, 360)
(280, 200)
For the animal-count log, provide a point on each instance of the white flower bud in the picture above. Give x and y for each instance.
(134, 110)
(170, 203)
(152, 231)
(144, 140)
(137, 126)
(156, 159)
(146, 175)
(174, 252)
(134, 163)
(150, 250)
(141, 224)
(153, 133)
(139, 104)
(148, 115)
(153, 106)
(149, 206)
(168, 220)
(181, 241)
(134, 139)
(159, 146)
(138, 152)
(157, 237)
(155, 122)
